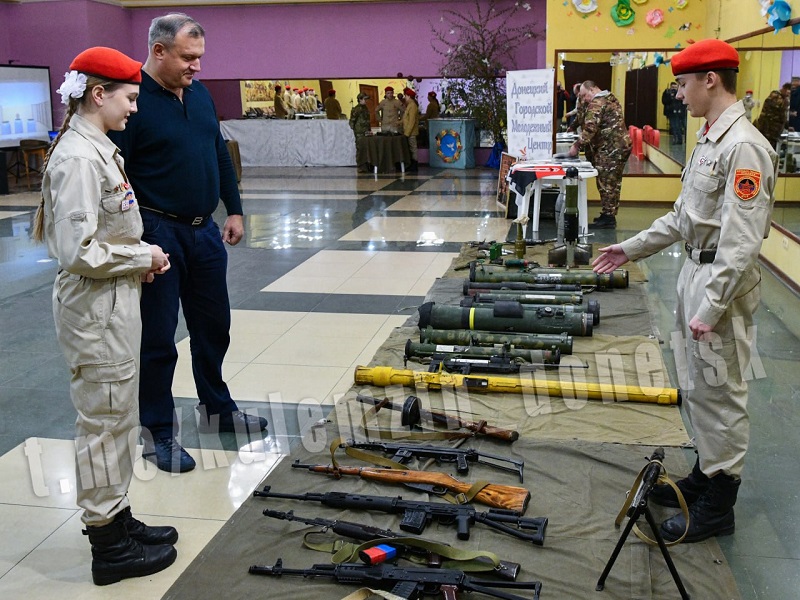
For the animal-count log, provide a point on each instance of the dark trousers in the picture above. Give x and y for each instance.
(196, 281)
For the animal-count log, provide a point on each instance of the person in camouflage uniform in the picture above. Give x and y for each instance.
(359, 123)
(605, 134)
(772, 118)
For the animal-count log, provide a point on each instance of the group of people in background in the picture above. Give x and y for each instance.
(396, 115)
(291, 101)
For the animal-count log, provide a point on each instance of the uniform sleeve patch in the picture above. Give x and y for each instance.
(747, 183)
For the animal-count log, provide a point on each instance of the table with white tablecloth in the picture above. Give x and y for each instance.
(295, 143)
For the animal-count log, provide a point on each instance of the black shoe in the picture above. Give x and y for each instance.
(117, 556)
(710, 516)
(605, 221)
(168, 455)
(234, 422)
(144, 534)
(691, 486)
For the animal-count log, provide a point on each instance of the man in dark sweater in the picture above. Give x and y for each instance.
(179, 167)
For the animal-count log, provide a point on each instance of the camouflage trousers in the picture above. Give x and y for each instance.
(609, 177)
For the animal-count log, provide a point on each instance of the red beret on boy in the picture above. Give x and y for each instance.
(331, 92)
(108, 63)
(704, 56)
(409, 92)
(388, 88)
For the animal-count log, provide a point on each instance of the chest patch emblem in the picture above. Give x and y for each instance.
(747, 183)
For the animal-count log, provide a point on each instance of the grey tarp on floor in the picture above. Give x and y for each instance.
(579, 486)
(580, 459)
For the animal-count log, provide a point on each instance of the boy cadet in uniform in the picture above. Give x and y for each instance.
(722, 214)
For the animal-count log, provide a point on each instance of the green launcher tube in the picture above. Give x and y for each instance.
(506, 317)
(522, 341)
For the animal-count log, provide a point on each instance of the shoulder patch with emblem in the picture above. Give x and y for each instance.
(746, 183)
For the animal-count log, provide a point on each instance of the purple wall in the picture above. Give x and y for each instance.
(252, 42)
(5, 31)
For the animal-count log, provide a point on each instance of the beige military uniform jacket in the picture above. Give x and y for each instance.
(725, 204)
(389, 114)
(92, 222)
(411, 118)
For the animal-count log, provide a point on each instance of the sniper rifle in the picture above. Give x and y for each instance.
(417, 514)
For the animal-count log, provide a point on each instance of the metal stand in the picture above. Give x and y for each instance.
(638, 508)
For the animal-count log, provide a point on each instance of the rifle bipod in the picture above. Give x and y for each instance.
(635, 508)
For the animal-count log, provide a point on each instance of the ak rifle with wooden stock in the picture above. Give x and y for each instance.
(508, 497)
(413, 413)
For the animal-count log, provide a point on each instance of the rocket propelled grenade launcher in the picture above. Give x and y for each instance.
(509, 306)
(545, 358)
(519, 341)
(470, 287)
(493, 274)
(506, 317)
(387, 376)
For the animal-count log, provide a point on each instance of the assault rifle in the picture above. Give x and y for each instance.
(507, 497)
(406, 583)
(364, 533)
(403, 453)
(417, 515)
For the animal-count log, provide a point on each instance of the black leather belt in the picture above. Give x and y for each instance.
(703, 257)
(193, 221)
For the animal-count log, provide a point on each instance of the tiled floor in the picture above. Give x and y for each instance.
(330, 264)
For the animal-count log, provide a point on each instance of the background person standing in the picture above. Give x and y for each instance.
(411, 125)
(390, 112)
(180, 167)
(333, 110)
(604, 135)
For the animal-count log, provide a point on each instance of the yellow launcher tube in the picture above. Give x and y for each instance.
(387, 376)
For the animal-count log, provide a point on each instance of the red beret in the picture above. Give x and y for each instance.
(331, 92)
(388, 88)
(108, 63)
(409, 92)
(705, 55)
(431, 94)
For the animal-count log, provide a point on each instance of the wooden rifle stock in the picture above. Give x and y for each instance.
(508, 497)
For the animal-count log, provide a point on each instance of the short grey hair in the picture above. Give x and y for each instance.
(164, 29)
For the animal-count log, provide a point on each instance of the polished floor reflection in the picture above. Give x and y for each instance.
(331, 262)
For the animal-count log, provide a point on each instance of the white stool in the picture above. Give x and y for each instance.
(536, 188)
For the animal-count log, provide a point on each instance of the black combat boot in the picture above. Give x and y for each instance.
(605, 221)
(117, 556)
(690, 486)
(144, 534)
(710, 516)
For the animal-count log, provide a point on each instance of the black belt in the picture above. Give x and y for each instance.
(703, 257)
(193, 221)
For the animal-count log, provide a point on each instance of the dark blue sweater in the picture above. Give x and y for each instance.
(175, 157)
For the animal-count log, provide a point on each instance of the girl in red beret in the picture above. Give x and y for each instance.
(90, 221)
